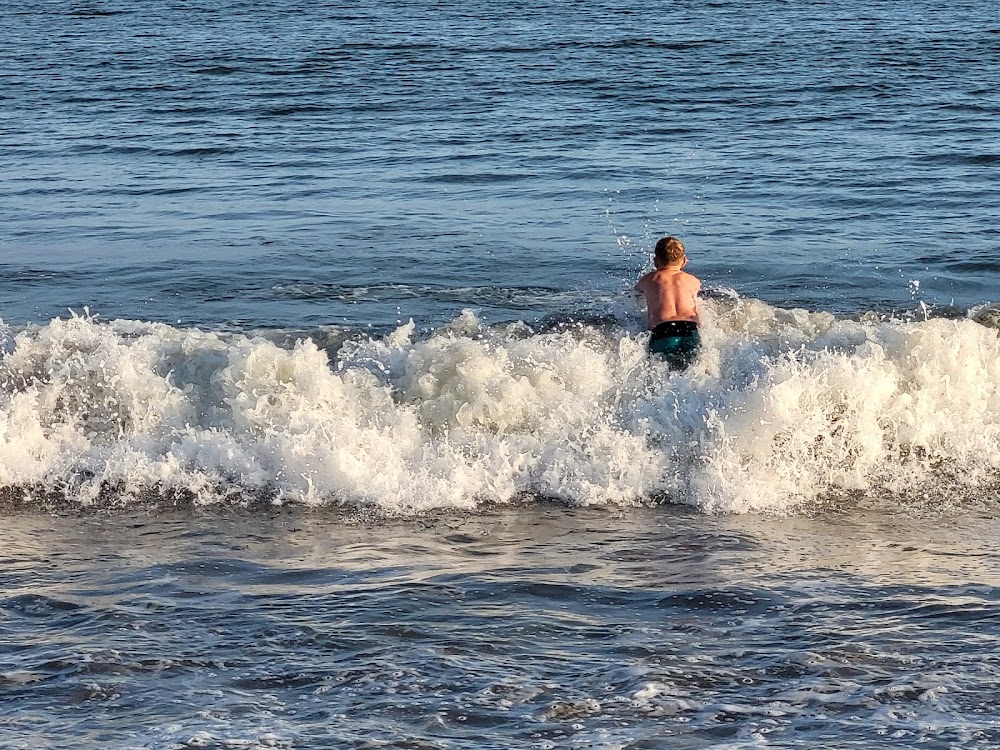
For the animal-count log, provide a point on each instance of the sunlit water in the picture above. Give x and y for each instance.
(290, 163)
(528, 628)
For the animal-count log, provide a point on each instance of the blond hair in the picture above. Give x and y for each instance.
(669, 251)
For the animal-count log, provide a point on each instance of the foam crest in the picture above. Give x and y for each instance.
(903, 408)
(783, 407)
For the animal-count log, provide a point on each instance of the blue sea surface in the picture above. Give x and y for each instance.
(246, 504)
(297, 163)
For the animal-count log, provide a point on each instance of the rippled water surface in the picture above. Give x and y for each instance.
(266, 163)
(543, 627)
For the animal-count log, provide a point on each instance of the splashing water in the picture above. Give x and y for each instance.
(783, 407)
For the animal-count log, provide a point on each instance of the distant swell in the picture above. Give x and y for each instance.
(783, 409)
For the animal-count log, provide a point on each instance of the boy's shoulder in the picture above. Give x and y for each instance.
(690, 277)
(646, 277)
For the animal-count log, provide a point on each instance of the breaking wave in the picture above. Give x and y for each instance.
(783, 409)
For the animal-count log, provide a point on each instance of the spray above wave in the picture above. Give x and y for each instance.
(782, 407)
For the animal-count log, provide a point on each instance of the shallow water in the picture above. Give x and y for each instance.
(532, 627)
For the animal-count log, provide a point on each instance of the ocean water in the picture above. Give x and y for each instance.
(326, 418)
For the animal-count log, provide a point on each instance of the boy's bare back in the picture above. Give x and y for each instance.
(671, 294)
(671, 305)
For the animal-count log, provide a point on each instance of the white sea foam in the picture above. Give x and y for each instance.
(781, 408)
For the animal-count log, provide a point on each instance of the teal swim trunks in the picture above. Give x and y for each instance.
(677, 341)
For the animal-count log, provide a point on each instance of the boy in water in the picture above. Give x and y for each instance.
(671, 305)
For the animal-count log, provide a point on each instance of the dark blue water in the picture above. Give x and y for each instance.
(296, 163)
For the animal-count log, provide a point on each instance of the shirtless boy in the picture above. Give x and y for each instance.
(671, 305)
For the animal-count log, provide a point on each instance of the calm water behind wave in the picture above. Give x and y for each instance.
(195, 162)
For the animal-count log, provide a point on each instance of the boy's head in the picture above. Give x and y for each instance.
(669, 252)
